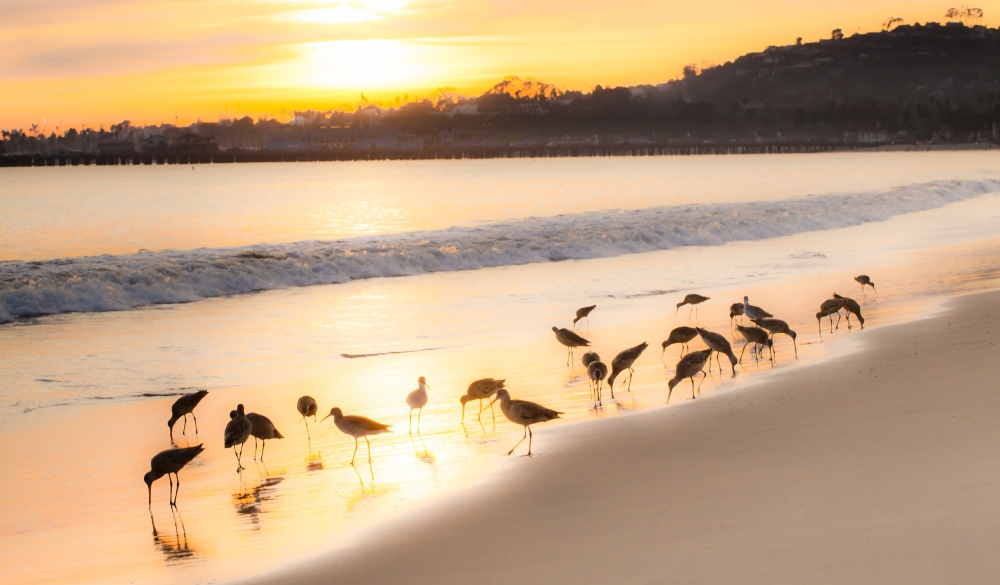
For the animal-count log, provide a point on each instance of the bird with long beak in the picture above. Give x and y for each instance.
(357, 427)
(523, 413)
(623, 361)
(165, 463)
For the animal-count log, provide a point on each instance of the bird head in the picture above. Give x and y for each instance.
(820, 315)
(746, 300)
(232, 414)
(149, 478)
(672, 383)
(170, 423)
(792, 334)
(556, 329)
(464, 399)
(422, 380)
(861, 319)
(335, 413)
(679, 305)
(501, 395)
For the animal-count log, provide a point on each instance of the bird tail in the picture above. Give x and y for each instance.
(278, 435)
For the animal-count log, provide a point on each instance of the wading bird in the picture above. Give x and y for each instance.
(863, 280)
(417, 400)
(775, 326)
(182, 407)
(570, 340)
(167, 462)
(688, 367)
(481, 390)
(720, 345)
(681, 335)
(753, 312)
(587, 359)
(623, 361)
(758, 337)
(584, 313)
(357, 427)
(828, 309)
(597, 371)
(307, 407)
(523, 413)
(237, 432)
(851, 306)
(735, 310)
(693, 300)
(261, 428)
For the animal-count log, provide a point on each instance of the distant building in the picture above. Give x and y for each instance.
(353, 139)
(155, 144)
(115, 148)
(192, 144)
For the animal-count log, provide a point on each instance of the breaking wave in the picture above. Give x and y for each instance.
(114, 283)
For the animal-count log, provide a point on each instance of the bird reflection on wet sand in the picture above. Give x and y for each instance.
(249, 503)
(174, 549)
(314, 461)
(420, 449)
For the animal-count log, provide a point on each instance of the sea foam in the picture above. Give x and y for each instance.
(113, 283)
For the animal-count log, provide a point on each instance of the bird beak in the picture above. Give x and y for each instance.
(492, 401)
(324, 418)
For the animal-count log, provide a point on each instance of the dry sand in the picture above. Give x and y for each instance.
(882, 466)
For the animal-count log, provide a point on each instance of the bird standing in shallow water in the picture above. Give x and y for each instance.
(307, 406)
(681, 335)
(863, 279)
(828, 309)
(587, 359)
(357, 427)
(735, 310)
(776, 326)
(753, 312)
(481, 390)
(261, 428)
(597, 371)
(523, 413)
(623, 361)
(182, 407)
(584, 313)
(688, 367)
(167, 462)
(758, 337)
(851, 306)
(693, 300)
(417, 400)
(570, 340)
(720, 345)
(237, 432)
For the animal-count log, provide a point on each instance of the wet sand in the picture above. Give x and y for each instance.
(877, 466)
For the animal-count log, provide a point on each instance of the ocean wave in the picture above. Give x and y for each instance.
(113, 283)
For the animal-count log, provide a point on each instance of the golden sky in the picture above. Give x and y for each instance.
(92, 62)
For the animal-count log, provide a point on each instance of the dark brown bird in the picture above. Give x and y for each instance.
(735, 310)
(851, 306)
(693, 300)
(584, 313)
(775, 326)
(681, 335)
(597, 372)
(863, 280)
(307, 406)
(262, 428)
(757, 336)
(570, 340)
(688, 367)
(167, 462)
(182, 407)
(623, 361)
(720, 345)
(237, 432)
(587, 359)
(523, 413)
(828, 309)
(481, 390)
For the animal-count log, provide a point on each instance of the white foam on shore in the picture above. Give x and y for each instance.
(112, 283)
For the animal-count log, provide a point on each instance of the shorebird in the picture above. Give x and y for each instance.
(587, 359)
(523, 413)
(851, 306)
(693, 300)
(720, 345)
(261, 428)
(757, 336)
(167, 462)
(688, 367)
(753, 312)
(237, 432)
(681, 335)
(775, 326)
(357, 427)
(623, 361)
(735, 310)
(584, 313)
(417, 400)
(570, 340)
(481, 390)
(863, 280)
(828, 309)
(182, 407)
(597, 371)
(307, 407)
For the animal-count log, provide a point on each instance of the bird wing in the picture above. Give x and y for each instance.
(237, 428)
(532, 411)
(572, 337)
(629, 355)
(366, 423)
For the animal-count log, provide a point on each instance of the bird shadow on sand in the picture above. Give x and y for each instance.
(175, 548)
(420, 449)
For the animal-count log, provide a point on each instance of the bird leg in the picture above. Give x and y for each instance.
(411, 421)
(519, 442)
(419, 413)
(369, 450)
(184, 430)
(263, 444)
(255, 448)
(355, 450)
(692, 388)
(703, 376)
(629, 387)
(744, 350)
(529, 441)
(177, 490)
(195, 423)
(171, 494)
(239, 457)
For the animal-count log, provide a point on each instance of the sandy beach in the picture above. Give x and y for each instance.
(877, 466)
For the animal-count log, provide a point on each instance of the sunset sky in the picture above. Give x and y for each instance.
(92, 62)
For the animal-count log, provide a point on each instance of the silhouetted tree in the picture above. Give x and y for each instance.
(964, 13)
(837, 34)
(891, 22)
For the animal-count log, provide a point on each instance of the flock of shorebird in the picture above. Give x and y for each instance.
(243, 425)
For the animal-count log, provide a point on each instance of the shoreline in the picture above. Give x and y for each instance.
(878, 471)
